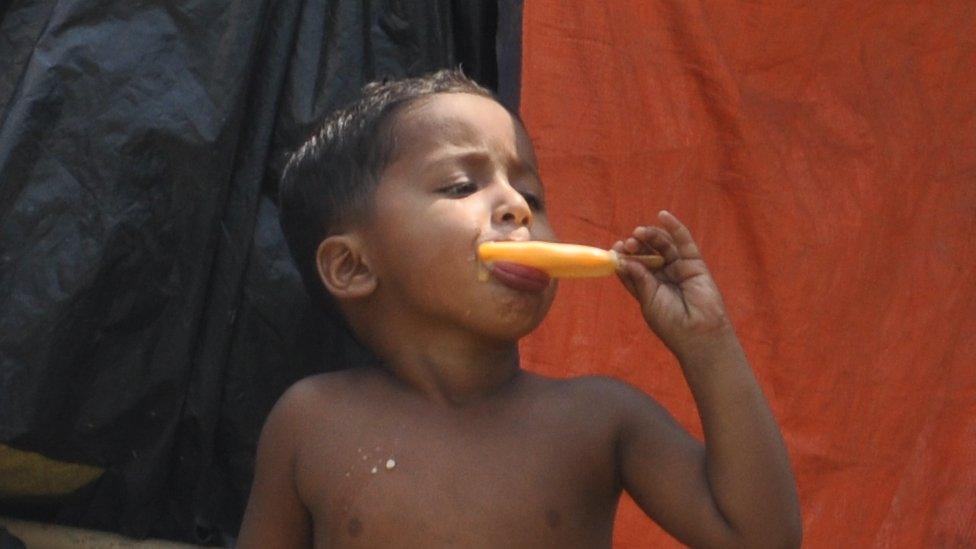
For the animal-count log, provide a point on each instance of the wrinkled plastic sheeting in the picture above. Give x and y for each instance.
(149, 312)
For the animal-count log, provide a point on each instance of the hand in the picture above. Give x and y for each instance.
(680, 301)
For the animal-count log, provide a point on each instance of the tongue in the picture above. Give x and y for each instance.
(520, 277)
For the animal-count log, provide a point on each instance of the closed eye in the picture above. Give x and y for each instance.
(459, 190)
(534, 202)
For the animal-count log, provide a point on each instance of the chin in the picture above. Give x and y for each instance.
(512, 319)
(515, 332)
(507, 334)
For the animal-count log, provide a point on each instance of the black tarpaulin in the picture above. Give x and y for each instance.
(149, 311)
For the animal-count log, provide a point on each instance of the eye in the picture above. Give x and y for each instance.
(459, 190)
(533, 201)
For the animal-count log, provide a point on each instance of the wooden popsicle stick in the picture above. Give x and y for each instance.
(652, 261)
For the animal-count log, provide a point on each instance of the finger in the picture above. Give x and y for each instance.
(625, 278)
(644, 282)
(659, 241)
(674, 270)
(632, 245)
(680, 234)
(680, 271)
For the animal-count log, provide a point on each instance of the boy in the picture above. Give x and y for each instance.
(445, 441)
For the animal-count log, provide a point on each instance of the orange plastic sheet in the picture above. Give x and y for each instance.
(824, 156)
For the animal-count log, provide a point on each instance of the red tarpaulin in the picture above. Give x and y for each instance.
(824, 156)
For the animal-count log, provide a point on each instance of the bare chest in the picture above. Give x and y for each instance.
(441, 481)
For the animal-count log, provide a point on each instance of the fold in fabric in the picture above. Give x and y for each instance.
(824, 157)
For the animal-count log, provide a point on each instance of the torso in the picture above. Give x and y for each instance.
(379, 466)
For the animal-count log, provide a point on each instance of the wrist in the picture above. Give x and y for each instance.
(717, 345)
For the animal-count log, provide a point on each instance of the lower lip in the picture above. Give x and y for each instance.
(519, 277)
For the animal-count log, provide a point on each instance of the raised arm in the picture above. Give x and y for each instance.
(737, 490)
(275, 515)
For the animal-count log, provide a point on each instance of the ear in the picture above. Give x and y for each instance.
(343, 268)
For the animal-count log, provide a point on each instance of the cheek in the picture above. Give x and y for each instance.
(430, 248)
(453, 229)
(542, 230)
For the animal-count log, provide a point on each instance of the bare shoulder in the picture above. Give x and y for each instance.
(603, 393)
(605, 386)
(302, 397)
(326, 385)
(601, 402)
(315, 396)
(277, 515)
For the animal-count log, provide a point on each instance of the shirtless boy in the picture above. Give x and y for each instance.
(445, 440)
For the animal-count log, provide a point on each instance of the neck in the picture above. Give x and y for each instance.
(450, 367)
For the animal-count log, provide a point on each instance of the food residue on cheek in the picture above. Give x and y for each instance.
(481, 266)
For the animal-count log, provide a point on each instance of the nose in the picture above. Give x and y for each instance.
(511, 207)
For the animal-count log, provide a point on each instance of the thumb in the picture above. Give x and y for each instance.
(641, 280)
(624, 278)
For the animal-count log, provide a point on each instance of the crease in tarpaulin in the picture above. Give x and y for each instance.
(199, 165)
(19, 80)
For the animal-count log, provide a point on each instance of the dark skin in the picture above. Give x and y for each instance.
(448, 442)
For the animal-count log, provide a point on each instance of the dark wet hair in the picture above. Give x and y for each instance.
(328, 183)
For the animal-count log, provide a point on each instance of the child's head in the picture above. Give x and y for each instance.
(328, 183)
(395, 177)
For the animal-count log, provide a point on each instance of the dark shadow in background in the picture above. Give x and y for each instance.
(149, 311)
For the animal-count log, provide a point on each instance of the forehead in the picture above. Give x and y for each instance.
(447, 121)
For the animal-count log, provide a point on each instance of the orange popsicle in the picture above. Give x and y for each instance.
(561, 260)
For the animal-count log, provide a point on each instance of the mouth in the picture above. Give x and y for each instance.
(519, 277)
